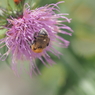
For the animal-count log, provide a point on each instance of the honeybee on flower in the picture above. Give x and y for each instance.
(33, 33)
(41, 41)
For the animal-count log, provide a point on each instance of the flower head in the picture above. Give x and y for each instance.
(25, 35)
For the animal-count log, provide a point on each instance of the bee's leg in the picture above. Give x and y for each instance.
(35, 35)
(48, 41)
(33, 41)
(47, 44)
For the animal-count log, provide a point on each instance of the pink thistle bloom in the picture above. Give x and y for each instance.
(21, 31)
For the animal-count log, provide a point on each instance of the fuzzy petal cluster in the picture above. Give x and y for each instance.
(22, 31)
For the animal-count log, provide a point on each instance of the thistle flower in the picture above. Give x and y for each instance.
(21, 31)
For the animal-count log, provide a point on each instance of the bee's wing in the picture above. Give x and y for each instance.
(43, 31)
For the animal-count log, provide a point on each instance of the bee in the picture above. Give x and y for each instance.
(41, 41)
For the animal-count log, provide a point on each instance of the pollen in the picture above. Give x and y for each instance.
(38, 50)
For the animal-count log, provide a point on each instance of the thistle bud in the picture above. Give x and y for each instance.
(17, 1)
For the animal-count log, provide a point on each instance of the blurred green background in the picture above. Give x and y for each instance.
(74, 73)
